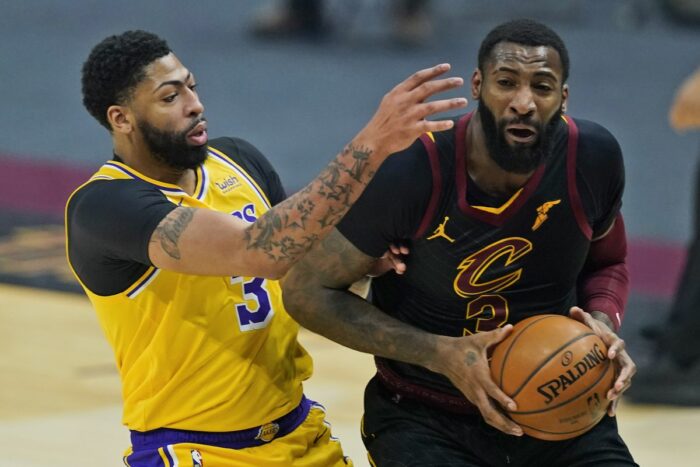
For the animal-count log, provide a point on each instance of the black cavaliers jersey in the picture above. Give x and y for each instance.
(475, 267)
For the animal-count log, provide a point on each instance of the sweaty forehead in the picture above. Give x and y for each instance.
(540, 56)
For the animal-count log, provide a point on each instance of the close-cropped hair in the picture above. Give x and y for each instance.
(525, 32)
(115, 67)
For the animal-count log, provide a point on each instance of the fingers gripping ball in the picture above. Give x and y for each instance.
(556, 369)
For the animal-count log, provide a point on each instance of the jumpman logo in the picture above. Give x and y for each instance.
(440, 231)
(542, 213)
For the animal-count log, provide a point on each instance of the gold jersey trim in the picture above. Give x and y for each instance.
(502, 208)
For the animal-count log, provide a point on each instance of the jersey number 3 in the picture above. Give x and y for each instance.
(487, 309)
(257, 310)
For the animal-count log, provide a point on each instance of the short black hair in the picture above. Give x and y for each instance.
(524, 32)
(115, 66)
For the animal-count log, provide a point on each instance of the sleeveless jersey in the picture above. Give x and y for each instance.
(202, 353)
(474, 268)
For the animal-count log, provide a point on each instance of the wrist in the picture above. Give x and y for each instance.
(367, 142)
(603, 318)
(443, 351)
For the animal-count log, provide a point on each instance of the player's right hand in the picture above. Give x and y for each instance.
(400, 118)
(464, 361)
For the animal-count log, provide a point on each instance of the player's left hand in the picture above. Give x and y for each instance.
(626, 368)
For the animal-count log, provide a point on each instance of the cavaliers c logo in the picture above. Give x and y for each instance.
(471, 270)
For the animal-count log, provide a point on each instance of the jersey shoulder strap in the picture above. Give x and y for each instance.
(428, 140)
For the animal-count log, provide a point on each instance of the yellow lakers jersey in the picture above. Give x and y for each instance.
(202, 353)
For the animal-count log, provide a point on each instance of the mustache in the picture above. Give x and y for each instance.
(195, 121)
(518, 120)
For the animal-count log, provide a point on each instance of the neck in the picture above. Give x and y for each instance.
(143, 161)
(483, 170)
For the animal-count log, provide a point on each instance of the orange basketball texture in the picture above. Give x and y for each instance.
(556, 369)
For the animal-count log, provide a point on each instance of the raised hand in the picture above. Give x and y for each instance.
(625, 367)
(400, 118)
(464, 361)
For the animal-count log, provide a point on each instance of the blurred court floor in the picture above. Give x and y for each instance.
(60, 401)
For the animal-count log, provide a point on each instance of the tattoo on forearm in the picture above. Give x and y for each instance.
(172, 228)
(341, 316)
(314, 210)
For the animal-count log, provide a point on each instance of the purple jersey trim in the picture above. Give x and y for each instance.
(136, 175)
(142, 283)
(204, 182)
(241, 439)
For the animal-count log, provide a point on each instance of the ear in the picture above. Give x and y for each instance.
(477, 80)
(564, 97)
(120, 119)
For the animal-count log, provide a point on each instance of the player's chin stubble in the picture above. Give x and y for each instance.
(171, 148)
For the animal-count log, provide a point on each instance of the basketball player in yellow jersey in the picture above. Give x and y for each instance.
(177, 241)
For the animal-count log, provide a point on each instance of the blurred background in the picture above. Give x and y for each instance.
(299, 92)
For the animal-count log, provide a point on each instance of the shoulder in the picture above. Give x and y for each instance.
(101, 194)
(240, 151)
(597, 146)
(405, 173)
(600, 174)
(253, 162)
(111, 202)
(392, 204)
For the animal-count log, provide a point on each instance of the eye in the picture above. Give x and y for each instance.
(193, 87)
(170, 98)
(505, 82)
(543, 87)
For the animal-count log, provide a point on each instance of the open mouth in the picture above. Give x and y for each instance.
(521, 135)
(198, 136)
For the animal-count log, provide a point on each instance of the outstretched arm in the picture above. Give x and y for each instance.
(315, 295)
(200, 241)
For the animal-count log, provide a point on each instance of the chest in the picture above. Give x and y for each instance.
(225, 187)
(532, 243)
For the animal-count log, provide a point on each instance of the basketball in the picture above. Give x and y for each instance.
(557, 371)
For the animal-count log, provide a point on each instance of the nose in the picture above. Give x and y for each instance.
(195, 106)
(523, 103)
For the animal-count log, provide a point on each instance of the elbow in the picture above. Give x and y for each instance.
(302, 297)
(292, 294)
(269, 269)
(277, 273)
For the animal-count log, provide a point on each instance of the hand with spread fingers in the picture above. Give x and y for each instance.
(401, 116)
(625, 366)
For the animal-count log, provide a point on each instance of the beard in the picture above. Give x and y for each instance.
(171, 147)
(519, 159)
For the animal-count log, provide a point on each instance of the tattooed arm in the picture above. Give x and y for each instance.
(201, 241)
(315, 294)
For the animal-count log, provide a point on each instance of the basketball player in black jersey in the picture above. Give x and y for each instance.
(512, 213)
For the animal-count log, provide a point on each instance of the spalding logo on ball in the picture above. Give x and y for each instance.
(556, 369)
